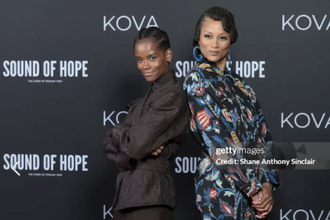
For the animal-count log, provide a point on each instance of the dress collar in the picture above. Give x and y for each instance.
(213, 66)
(165, 78)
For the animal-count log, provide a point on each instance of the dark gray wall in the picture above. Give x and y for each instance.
(286, 43)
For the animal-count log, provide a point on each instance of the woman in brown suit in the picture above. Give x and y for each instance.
(144, 144)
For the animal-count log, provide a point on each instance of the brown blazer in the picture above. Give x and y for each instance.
(160, 118)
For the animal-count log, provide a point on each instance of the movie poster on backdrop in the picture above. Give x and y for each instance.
(66, 78)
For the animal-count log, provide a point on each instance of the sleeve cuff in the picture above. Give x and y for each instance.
(248, 187)
(252, 187)
(271, 177)
(124, 162)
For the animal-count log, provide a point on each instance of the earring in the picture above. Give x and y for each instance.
(229, 60)
(200, 57)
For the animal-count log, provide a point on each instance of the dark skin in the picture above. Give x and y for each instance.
(214, 43)
(153, 62)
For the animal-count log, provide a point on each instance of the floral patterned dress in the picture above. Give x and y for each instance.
(224, 109)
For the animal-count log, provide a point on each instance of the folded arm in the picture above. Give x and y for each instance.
(141, 139)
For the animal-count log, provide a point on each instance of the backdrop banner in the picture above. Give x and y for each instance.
(67, 72)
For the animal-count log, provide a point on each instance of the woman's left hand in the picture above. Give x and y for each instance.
(263, 200)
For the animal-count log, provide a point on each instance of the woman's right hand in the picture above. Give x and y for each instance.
(263, 201)
(158, 151)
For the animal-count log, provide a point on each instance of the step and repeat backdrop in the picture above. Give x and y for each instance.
(67, 72)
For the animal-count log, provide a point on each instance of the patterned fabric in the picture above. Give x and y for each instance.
(224, 109)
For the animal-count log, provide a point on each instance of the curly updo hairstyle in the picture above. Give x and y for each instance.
(217, 14)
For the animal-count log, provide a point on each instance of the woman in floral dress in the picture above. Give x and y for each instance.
(225, 111)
